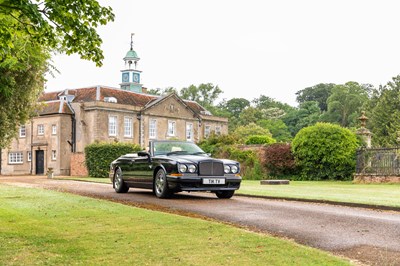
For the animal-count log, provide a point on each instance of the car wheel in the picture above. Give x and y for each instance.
(119, 184)
(160, 185)
(225, 194)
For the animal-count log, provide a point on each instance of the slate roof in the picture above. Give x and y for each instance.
(91, 94)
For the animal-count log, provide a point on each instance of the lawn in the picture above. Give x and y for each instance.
(338, 191)
(373, 194)
(42, 227)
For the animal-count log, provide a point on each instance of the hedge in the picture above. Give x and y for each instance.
(99, 155)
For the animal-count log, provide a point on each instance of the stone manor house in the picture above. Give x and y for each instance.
(73, 118)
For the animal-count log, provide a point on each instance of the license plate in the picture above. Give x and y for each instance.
(213, 181)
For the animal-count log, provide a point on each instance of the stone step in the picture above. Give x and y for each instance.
(274, 182)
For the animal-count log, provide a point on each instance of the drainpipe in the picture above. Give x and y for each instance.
(32, 147)
(139, 117)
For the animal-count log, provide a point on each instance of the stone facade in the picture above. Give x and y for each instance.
(72, 119)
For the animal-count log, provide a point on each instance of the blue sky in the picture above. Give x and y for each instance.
(247, 48)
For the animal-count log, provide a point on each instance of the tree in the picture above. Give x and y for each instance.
(385, 116)
(21, 82)
(64, 25)
(204, 94)
(159, 91)
(319, 93)
(307, 114)
(29, 32)
(236, 105)
(265, 102)
(345, 103)
(278, 129)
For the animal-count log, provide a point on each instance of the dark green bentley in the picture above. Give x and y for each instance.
(174, 166)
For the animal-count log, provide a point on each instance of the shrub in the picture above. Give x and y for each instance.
(260, 139)
(98, 156)
(279, 160)
(325, 151)
(243, 132)
(250, 166)
(213, 142)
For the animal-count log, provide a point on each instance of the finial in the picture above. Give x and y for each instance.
(132, 40)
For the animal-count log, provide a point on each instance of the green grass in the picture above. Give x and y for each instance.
(42, 227)
(373, 194)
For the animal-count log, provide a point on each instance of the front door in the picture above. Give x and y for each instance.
(39, 162)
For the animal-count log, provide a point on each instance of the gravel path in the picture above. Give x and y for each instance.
(368, 236)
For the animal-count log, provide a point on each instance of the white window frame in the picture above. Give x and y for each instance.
(218, 130)
(29, 156)
(54, 129)
(189, 131)
(171, 132)
(40, 129)
(128, 127)
(207, 131)
(22, 131)
(112, 125)
(16, 158)
(53, 155)
(153, 128)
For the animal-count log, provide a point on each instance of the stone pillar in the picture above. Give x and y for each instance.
(363, 131)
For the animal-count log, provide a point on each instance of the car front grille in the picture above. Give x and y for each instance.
(211, 168)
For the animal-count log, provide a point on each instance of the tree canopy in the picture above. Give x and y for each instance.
(64, 25)
(29, 32)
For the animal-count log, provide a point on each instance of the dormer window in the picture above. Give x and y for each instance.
(110, 100)
(63, 98)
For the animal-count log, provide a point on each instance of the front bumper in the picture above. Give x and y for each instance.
(195, 183)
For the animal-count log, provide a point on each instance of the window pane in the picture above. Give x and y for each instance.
(112, 125)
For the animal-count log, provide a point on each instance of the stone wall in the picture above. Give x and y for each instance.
(78, 167)
(366, 179)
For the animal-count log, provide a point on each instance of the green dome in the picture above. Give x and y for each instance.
(131, 54)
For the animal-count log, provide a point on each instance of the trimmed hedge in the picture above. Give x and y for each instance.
(99, 155)
(325, 152)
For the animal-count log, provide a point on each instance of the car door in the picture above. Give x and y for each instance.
(141, 174)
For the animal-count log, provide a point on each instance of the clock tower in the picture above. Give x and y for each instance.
(130, 76)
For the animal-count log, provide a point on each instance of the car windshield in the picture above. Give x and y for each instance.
(176, 147)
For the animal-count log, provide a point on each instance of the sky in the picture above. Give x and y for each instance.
(248, 48)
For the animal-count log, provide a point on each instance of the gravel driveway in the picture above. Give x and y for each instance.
(368, 236)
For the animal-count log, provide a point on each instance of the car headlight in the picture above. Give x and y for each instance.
(182, 168)
(234, 169)
(192, 168)
(227, 169)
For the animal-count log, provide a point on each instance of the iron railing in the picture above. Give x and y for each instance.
(378, 161)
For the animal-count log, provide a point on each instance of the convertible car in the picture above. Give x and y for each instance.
(174, 166)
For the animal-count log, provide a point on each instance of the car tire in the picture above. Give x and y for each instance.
(118, 182)
(225, 194)
(161, 189)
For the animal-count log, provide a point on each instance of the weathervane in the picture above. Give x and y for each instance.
(132, 40)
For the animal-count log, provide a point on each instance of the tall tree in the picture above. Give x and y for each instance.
(385, 116)
(29, 31)
(265, 102)
(204, 94)
(21, 82)
(345, 103)
(318, 93)
(307, 114)
(236, 105)
(65, 25)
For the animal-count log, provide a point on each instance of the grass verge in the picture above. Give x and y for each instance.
(41, 227)
(338, 191)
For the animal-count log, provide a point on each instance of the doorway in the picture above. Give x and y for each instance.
(39, 162)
